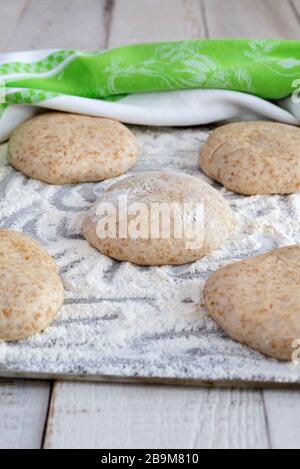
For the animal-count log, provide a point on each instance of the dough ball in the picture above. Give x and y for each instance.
(201, 231)
(31, 292)
(257, 302)
(59, 148)
(253, 158)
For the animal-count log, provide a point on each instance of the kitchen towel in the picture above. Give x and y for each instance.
(164, 84)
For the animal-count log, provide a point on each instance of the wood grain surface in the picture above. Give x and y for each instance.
(89, 415)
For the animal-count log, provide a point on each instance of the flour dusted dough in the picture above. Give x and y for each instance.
(59, 148)
(257, 301)
(160, 187)
(253, 158)
(31, 291)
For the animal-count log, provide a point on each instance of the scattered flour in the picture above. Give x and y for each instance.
(123, 320)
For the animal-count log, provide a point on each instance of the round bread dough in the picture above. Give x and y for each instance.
(31, 290)
(215, 222)
(59, 148)
(253, 158)
(257, 302)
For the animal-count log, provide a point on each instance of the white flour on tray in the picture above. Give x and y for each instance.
(127, 321)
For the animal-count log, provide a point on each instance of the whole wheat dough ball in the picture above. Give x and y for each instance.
(257, 302)
(181, 199)
(59, 148)
(31, 292)
(253, 158)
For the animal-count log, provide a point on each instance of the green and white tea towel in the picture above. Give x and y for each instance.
(165, 84)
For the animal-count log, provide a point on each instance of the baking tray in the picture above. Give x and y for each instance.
(126, 323)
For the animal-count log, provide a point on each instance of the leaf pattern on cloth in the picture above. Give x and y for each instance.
(259, 49)
(264, 68)
(261, 52)
(191, 68)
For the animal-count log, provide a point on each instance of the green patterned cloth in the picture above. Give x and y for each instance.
(263, 68)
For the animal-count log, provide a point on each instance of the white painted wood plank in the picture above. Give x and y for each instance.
(155, 20)
(251, 18)
(23, 411)
(295, 5)
(283, 413)
(39, 24)
(263, 19)
(211, 418)
(101, 416)
(71, 24)
(23, 405)
(11, 12)
(97, 416)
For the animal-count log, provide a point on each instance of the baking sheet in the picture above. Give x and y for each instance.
(122, 322)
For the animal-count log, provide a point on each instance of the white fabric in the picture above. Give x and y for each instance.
(27, 57)
(173, 108)
(292, 105)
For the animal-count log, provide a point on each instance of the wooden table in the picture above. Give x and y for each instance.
(80, 415)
